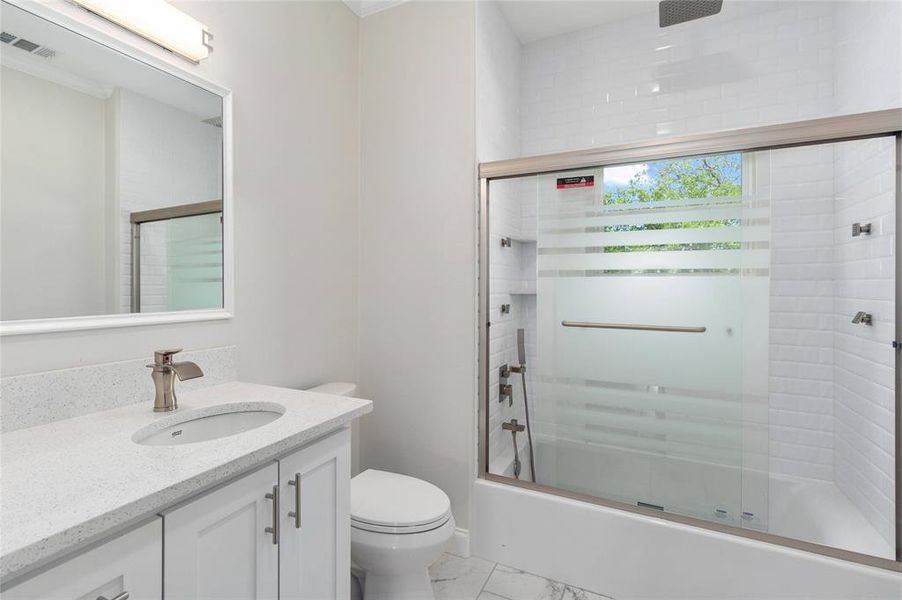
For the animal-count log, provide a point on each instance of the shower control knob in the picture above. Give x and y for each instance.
(859, 228)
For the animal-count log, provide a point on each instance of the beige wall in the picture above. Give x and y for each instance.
(292, 67)
(53, 201)
(301, 239)
(418, 243)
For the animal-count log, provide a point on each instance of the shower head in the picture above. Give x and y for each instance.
(521, 346)
(674, 12)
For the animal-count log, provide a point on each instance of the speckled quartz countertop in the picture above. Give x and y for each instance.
(74, 481)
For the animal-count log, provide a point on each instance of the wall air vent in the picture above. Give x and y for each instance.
(27, 45)
(45, 52)
(214, 121)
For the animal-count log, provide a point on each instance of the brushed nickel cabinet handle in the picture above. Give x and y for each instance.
(274, 530)
(296, 513)
(122, 596)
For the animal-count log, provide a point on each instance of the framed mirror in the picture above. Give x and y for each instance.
(115, 205)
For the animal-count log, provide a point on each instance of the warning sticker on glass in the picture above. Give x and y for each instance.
(584, 181)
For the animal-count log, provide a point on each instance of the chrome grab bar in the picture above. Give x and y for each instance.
(670, 328)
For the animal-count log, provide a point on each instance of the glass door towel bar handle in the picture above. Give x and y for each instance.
(633, 326)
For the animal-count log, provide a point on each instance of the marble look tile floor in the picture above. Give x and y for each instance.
(456, 578)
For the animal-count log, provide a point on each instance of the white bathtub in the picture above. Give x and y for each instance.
(627, 555)
(631, 557)
(817, 511)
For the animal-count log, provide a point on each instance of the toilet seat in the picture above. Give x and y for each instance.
(383, 502)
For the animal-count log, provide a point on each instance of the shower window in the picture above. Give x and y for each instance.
(660, 184)
(679, 336)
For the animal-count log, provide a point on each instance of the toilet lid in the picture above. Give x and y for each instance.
(394, 500)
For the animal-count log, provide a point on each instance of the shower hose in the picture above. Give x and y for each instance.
(532, 458)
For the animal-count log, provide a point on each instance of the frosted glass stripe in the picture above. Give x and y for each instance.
(584, 219)
(722, 434)
(573, 208)
(676, 407)
(708, 259)
(600, 436)
(708, 201)
(574, 384)
(552, 273)
(649, 236)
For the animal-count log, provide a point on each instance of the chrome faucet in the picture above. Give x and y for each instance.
(164, 373)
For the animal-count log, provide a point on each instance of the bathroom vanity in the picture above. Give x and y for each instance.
(101, 505)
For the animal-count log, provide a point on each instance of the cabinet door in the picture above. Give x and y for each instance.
(130, 564)
(315, 561)
(218, 546)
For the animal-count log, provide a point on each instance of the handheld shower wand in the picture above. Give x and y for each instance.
(521, 347)
(521, 356)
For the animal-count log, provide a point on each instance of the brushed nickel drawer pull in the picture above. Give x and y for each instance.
(296, 513)
(274, 530)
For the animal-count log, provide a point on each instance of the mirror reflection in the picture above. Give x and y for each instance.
(110, 180)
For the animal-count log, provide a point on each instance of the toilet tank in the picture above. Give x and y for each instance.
(336, 388)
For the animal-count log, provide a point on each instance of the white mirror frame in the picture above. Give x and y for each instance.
(76, 19)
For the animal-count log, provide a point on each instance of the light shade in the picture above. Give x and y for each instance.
(158, 21)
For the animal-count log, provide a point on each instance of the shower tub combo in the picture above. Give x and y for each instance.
(710, 325)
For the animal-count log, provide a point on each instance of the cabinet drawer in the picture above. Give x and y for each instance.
(129, 564)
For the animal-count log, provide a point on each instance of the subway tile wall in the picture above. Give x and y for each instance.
(498, 72)
(863, 374)
(868, 77)
(800, 367)
(754, 63)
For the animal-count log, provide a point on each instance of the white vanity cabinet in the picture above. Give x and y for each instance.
(246, 540)
(315, 536)
(129, 566)
(280, 531)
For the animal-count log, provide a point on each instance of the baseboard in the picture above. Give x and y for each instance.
(459, 544)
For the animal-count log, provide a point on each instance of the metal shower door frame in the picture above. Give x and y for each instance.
(152, 216)
(842, 128)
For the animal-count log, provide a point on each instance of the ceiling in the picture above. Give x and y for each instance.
(533, 20)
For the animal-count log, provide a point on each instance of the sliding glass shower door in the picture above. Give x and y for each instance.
(648, 279)
(710, 338)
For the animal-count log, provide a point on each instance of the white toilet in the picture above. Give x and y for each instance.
(399, 526)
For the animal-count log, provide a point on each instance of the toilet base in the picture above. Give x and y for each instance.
(396, 565)
(395, 586)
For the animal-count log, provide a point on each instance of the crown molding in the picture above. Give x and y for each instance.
(365, 8)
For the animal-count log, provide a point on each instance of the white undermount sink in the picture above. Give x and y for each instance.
(209, 423)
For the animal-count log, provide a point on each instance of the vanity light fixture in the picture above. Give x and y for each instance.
(157, 21)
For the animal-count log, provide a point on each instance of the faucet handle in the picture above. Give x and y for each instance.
(164, 357)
